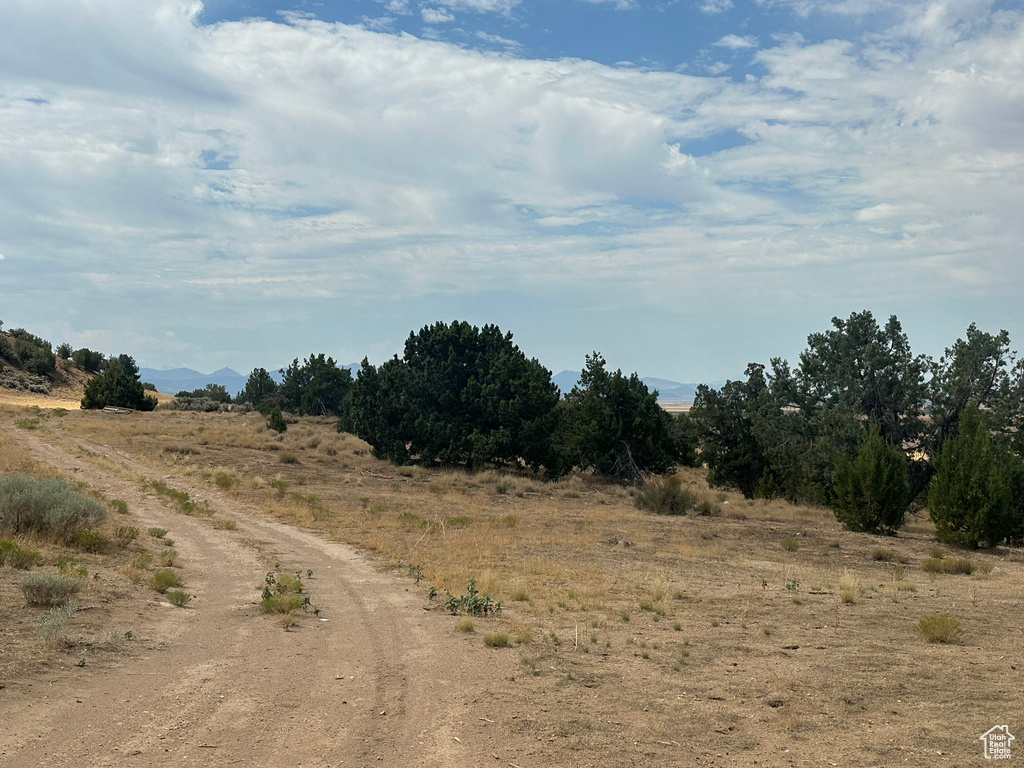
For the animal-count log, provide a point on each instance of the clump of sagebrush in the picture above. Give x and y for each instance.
(665, 496)
(18, 557)
(47, 506)
(48, 588)
(51, 626)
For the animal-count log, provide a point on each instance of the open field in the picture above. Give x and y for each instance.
(764, 633)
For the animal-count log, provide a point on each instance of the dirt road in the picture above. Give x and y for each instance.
(373, 680)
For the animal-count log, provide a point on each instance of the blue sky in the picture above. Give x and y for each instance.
(685, 186)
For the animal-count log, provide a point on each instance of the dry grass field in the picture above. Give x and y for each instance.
(762, 633)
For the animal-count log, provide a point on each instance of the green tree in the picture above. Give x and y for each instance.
(260, 391)
(872, 490)
(458, 395)
(88, 360)
(33, 353)
(971, 495)
(218, 393)
(868, 370)
(317, 387)
(119, 386)
(64, 351)
(612, 424)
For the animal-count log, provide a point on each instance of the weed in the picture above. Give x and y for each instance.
(178, 597)
(288, 584)
(906, 586)
(497, 640)
(169, 558)
(416, 572)
(948, 565)
(287, 457)
(849, 587)
(883, 555)
(164, 579)
(790, 543)
(223, 524)
(28, 424)
(793, 585)
(677, 627)
(282, 604)
(708, 509)
(465, 624)
(14, 556)
(472, 602)
(91, 541)
(67, 565)
(625, 616)
(51, 626)
(48, 588)
(502, 487)
(942, 628)
(125, 535)
(157, 533)
(225, 480)
(459, 521)
(665, 496)
(120, 506)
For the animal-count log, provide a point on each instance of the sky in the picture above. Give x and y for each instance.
(685, 186)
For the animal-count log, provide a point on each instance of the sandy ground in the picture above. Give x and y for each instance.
(375, 682)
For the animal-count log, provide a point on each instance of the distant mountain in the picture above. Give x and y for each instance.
(674, 392)
(185, 379)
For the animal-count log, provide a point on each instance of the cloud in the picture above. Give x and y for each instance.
(620, 5)
(436, 16)
(715, 6)
(363, 168)
(736, 42)
(482, 6)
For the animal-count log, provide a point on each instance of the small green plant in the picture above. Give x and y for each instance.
(169, 558)
(942, 628)
(91, 541)
(503, 487)
(225, 480)
(459, 521)
(157, 533)
(178, 597)
(883, 555)
(14, 556)
(465, 624)
(68, 565)
(793, 585)
(48, 588)
(276, 421)
(125, 535)
(282, 604)
(287, 457)
(164, 579)
(496, 640)
(790, 543)
(28, 424)
(289, 584)
(707, 508)
(120, 506)
(416, 572)
(473, 603)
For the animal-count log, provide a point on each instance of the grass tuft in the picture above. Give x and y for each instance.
(942, 628)
(48, 588)
(496, 640)
(164, 579)
(178, 597)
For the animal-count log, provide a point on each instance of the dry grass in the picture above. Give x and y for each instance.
(752, 623)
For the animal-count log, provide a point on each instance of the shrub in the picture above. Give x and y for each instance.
(48, 506)
(91, 541)
(790, 543)
(942, 628)
(51, 626)
(665, 496)
(14, 556)
(169, 558)
(872, 491)
(849, 587)
(125, 535)
(164, 579)
(178, 597)
(497, 640)
(971, 497)
(120, 506)
(282, 604)
(48, 588)
(276, 421)
(948, 565)
(465, 624)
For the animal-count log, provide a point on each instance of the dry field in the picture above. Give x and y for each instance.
(764, 634)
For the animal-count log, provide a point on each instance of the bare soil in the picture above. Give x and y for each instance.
(636, 640)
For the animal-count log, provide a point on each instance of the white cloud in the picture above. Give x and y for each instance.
(620, 5)
(188, 170)
(736, 42)
(715, 6)
(481, 6)
(436, 16)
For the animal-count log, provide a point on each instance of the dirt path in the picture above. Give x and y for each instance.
(379, 682)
